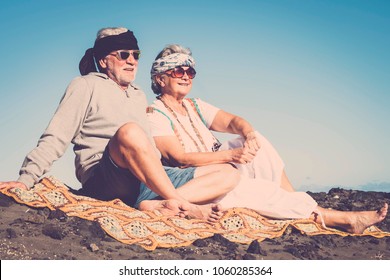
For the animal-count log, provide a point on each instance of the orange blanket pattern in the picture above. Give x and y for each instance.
(150, 229)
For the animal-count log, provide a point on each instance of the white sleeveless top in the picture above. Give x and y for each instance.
(192, 130)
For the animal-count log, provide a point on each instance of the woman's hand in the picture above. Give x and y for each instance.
(252, 141)
(243, 155)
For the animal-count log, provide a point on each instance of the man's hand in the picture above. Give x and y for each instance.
(13, 184)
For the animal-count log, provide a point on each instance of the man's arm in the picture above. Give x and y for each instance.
(65, 124)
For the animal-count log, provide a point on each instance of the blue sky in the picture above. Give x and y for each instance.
(312, 76)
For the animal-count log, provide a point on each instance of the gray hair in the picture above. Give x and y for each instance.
(169, 49)
(109, 31)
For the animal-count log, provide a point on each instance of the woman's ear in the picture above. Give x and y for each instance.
(160, 81)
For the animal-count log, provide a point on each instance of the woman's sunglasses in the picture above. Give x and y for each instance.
(179, 72)
(124, 55)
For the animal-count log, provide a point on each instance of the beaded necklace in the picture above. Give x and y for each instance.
(185, 130)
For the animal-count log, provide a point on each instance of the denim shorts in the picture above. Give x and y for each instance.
(109, 181)
(178, 177)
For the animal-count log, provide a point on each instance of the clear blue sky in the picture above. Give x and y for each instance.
(312, 76)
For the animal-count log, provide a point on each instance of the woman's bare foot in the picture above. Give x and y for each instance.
(209, 212)
(169, 208)
(350, 221)
(364, 219)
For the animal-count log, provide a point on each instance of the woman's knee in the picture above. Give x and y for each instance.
(226, 177)
(231, 175)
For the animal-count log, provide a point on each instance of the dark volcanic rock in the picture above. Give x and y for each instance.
(97, 231)
(31, 233)
(249, 257)
(224, 242)
(58, 215)
(11, 233)
(255, 248)
(53, 231)
(200, 243)
(5, 201)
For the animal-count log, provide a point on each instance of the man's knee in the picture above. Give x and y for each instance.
(129, 139)
(130, 135)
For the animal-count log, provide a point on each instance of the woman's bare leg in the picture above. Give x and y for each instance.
(350, 221)
(210, 183)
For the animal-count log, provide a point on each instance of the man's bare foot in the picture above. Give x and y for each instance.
(169, 208)
(364, 219)
(209, 212)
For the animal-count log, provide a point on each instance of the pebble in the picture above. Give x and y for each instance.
(93, 247)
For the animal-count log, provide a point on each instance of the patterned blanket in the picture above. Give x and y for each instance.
(150, 229)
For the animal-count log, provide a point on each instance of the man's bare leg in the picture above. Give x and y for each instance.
(130, 148)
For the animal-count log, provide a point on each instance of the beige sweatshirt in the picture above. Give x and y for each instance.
(90, 112)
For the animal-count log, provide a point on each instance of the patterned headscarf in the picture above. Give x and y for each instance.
(170, 62)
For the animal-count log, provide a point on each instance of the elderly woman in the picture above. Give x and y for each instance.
(182, 127)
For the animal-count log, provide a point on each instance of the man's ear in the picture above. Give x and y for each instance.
(103, 63)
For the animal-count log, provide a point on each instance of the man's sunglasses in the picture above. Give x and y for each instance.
(124, 55)
(179, 72)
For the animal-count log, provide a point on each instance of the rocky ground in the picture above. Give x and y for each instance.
(28, 233)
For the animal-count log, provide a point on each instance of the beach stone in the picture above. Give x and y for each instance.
(58, 215)
(293, 251)
(325, 240)
(11, 233)
(44, 212)
(200, 243)
(225, 242)
(96, 230)
(81, 226)
(255, 248)
(5, 201)
(272, 241)
(53, 231)
(373, 240)
(34, 217)
(248, 257)
(93, 247)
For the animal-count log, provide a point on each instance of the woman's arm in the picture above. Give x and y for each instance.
(226, 122)
(173, 152)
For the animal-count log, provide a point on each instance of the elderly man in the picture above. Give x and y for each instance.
(103, 114)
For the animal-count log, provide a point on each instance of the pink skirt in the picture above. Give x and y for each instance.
(259, 187)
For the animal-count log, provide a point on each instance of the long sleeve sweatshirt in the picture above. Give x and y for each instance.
(90, 112)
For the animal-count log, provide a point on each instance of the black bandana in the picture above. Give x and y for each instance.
(102, 47)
